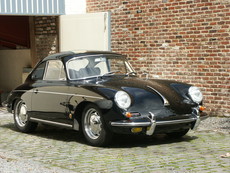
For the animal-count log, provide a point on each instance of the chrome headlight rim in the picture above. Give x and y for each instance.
(195, 94)
(122, 99)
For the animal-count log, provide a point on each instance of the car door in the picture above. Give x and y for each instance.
(49, 97)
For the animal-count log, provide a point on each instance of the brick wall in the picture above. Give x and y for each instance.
(183, 40)
(46, 36)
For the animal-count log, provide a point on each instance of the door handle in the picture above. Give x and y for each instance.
(64, 103)
(36, 91)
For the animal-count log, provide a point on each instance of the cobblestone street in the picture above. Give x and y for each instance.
(58, 150)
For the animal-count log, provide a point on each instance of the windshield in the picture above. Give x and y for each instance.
(93, 66)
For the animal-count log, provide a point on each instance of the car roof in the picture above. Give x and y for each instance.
(62, 55)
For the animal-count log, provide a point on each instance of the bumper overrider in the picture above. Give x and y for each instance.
(151, 124)
(6, 105)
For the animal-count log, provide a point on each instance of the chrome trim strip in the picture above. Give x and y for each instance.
(158, 123)
(166, 102)
(14, 91)
(203, 117)
(49, 92)
(51, 122)
(132, 124)
(176, 121)
(78, 95)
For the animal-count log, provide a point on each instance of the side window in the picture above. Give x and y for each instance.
(39, 71)
(55, 71)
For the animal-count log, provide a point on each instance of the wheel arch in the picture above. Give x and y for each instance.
(104, 136)
(79, 110)
(14, 101)
(81, 106)
(101, 104)
(21, 117)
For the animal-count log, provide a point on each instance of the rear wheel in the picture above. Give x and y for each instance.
(94, 128)
(21, 118)
(178, 134)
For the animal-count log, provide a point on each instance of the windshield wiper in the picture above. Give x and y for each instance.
(131, 73)
(110, 73)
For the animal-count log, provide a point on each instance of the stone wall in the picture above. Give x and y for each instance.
(46, 36)
(182, 40)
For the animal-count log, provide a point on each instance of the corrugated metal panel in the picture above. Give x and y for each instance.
(32, 7)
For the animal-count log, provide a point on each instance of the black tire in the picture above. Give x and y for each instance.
(21, 118)
(178, 134)
(94, 129)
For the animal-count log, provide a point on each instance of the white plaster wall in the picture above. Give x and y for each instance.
(75, 6)
(90, 31)
(12, 63)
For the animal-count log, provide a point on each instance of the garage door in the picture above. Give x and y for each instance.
(85, 32)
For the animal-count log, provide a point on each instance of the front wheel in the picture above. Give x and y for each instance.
(93, 127)
(21, 118)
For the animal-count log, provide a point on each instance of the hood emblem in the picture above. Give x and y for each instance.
(165, 101)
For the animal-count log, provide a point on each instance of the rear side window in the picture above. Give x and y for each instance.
(55, 70)
(39, 72)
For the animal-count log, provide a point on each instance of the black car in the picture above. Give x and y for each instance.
(99, 94)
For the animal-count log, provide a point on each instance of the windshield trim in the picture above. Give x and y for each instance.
(96, 76)
(78, 57)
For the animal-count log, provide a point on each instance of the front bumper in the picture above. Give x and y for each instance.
(7, 106)
(4, 104)
(151, 123)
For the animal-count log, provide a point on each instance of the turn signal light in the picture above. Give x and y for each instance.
(202, 108)
(132, 114)
(128, 114)
(70, 116)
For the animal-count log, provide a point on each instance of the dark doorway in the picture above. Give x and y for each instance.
(14, 32)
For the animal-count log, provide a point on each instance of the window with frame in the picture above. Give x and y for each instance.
(55, 70)
(39, 71)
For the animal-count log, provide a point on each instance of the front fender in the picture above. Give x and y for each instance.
(104, 104)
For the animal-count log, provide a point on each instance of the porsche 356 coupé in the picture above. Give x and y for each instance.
(99, 94)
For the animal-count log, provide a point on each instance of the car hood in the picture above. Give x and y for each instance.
(147, 94)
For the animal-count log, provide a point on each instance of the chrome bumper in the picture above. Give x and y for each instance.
(152, 123)
(5, 104)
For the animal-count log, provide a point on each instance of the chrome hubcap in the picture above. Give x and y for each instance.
(92, 123)
(21, 114)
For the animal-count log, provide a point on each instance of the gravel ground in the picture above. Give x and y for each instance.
(11, 163)
(15, 164)
(217, 124)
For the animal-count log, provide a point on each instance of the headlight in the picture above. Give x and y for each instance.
(195, 94)
(122, 99)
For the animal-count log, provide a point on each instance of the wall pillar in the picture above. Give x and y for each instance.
(44, 38)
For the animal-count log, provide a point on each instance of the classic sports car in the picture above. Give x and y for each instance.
(99, 94)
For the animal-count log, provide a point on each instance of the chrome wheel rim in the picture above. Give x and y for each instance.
(92, 123)
(21, 114)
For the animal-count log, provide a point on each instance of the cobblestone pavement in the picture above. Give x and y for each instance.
(55, 150)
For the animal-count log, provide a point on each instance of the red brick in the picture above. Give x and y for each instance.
(197, 32)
